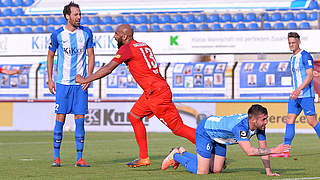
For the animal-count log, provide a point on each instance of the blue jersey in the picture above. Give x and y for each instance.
(299, 63)
(71, 48)
(231, 129)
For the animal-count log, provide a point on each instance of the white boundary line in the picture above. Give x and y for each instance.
(300, 178)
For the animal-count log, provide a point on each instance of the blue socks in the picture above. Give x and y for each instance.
(289, 134)
(79, 136)
(317, 129)
(57, 138)
(188, 160)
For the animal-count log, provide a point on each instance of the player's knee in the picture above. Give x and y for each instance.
(217, 171)
(133, 118)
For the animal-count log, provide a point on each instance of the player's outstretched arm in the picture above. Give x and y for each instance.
(266, 160)
(102, 72)
(253, 151)
(11, 72)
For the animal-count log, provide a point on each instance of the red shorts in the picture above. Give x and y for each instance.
(158, 103)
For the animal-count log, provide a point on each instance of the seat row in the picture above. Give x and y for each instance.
(16, 3)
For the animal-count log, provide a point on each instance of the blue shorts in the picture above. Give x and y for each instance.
(296, 106)
(71, 99)
(205, 145)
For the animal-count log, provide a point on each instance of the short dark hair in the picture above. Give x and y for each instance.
(67, 8)
(256, 109)
(293, 35)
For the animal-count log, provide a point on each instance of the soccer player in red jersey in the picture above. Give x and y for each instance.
(156, 98)
(10, 72)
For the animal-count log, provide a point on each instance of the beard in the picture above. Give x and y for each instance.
(120, 43)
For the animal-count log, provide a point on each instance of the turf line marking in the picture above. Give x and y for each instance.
(300, 178)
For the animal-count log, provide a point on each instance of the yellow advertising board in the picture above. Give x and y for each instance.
(277, 113)
(6, 114)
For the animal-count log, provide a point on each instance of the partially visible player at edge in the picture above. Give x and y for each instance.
(156, 98)
(302, 96)
(73, 42)
(216, 132)
(10, 72)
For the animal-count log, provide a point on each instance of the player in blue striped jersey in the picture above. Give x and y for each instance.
(72, 43)
(215, 132)
(302, 96)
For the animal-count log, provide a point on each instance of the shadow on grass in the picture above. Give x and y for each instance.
(262, 170)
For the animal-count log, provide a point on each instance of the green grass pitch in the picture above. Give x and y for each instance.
(28, 155)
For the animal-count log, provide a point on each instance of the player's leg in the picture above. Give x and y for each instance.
(165, 110)
(307, 105)
(138, 111)
(61, 109)
(79, 109)
(218, 161)
(294, 109)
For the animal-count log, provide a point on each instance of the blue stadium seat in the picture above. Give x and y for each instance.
(7, 12)
(215, 27)
(18, 3)
(7, 3)
(201, 18)
(250, 17)
(203, 27)
(51, 21)
(304, 25)
(213, 18)
(155, 28)
(167, 28)
(143, 28)
(134, 28)
(107, 29)
(39, 21)
(177, 18)
(118, 20)
(189, 18)
(154, 19)
(267, 26)
(240, 27)
(265, 17)
(61, 21)
(38, 29)
(95, 29)
(84, 20)
(28, 2)
(178, 27)
(165, 19)
(253, 26)
(225, 17)
(313, 16)
(6, 22)
(94, 20)
(5, 30)
(142, 19)
(16, 30)
(27, 30)
(191, 27)
(17, 22)
(292, 26)
(130, 20)
(278, 26)
(227, 27)
(50, 29)
(106, 20)
(237, 17)
(275, 16)
(288, 16)
(18, 12)
(313, 5)
(301, 16)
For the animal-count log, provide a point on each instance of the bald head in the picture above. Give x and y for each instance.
(123, 34)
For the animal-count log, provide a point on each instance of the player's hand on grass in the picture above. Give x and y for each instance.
(273, 174)
(51, 86)
(79, 79)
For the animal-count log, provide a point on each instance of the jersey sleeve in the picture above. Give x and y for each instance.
(307, 61)
(240, 133)
(53, 42)
(261, 135)
(123, 55)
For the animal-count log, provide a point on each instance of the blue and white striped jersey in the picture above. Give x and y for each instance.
(299, 63)
(231, 129)
(71, 48)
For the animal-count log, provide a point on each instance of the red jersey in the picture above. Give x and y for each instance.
(142, 64)
(0, 70)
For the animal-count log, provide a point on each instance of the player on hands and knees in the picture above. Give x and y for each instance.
(156, 98)
(73, 42)
(216, 132)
